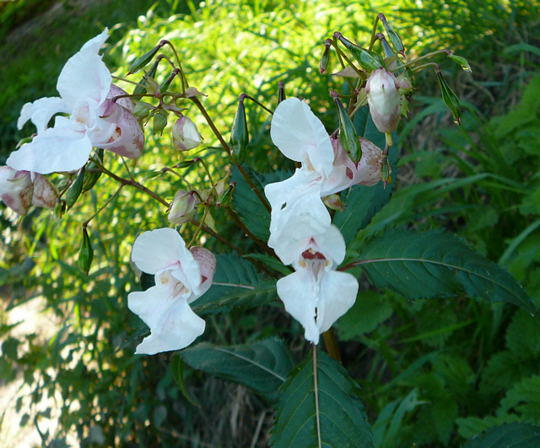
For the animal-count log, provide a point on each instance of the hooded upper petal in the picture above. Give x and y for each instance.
(207, 266)
(65, 147)
(301, 136)
(158, 249)
(84, 75)
(41, 111)
(15, 189)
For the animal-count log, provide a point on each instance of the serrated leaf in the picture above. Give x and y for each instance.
(513, 435)
(262, 366)
(369, 310)
(435, 264)
(236, 283)
(343, 422)
(523, 398)
(523, 335)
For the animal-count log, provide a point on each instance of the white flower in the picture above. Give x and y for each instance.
(382, 89)
(181, 276)
(296, 202)
(316, 295)
(84, 85)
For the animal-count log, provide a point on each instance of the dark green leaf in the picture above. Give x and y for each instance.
(253, 212)
(236, 283)
(435, 264)
(343, 422)
(262, 366)
(513, 435)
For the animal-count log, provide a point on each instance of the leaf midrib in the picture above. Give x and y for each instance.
(440, 263)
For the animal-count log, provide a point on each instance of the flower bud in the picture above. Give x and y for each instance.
(185, 134)
(15, 189)
(207, 266)
(369, 168)
(44, 194)
(384, 100)
(183, 206)
(124, 101)
(128, 137)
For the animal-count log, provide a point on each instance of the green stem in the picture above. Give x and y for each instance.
(227, 148)
(316, 393)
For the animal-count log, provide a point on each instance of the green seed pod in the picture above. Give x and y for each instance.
(140, 89)
(323, 65)
(347, 133)
(450, 98)
(461, 61)
(366, 59)
(167, 82)
(141, 61)
(392, 35)
(76, 189)
(239, 131)
(86, 253)
(160, 121)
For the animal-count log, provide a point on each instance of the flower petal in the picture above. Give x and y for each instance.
(300, 135)
(41, 111)
(207, 265)
(62, 148)
(337, 294)
(331, 244)
(84, 75)
(370, 165)
(297, 291)
(173, 324)
(128, 137)
(158, 249)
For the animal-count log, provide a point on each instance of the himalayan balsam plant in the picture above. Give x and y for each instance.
(342, 178)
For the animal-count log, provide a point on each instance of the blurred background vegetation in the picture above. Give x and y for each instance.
(432, 372)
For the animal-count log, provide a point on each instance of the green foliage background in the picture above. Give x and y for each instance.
(432, 373)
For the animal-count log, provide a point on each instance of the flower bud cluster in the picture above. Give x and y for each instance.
(301, 232)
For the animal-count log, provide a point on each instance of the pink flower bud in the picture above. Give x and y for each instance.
(383, 99)
(183, 206)
(125, 102)
(16, 189)
(369, 167)
(185, 134)
(128, 137)
(207, 265)
(44, 193)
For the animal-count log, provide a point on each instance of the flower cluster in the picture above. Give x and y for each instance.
(301, 232)
(85, 116)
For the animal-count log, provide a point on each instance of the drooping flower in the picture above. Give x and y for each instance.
(20, 189)
(315, 294)
(297, 208)
(181, 277)
(384, 99)
(185, 134)
(84, 86)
